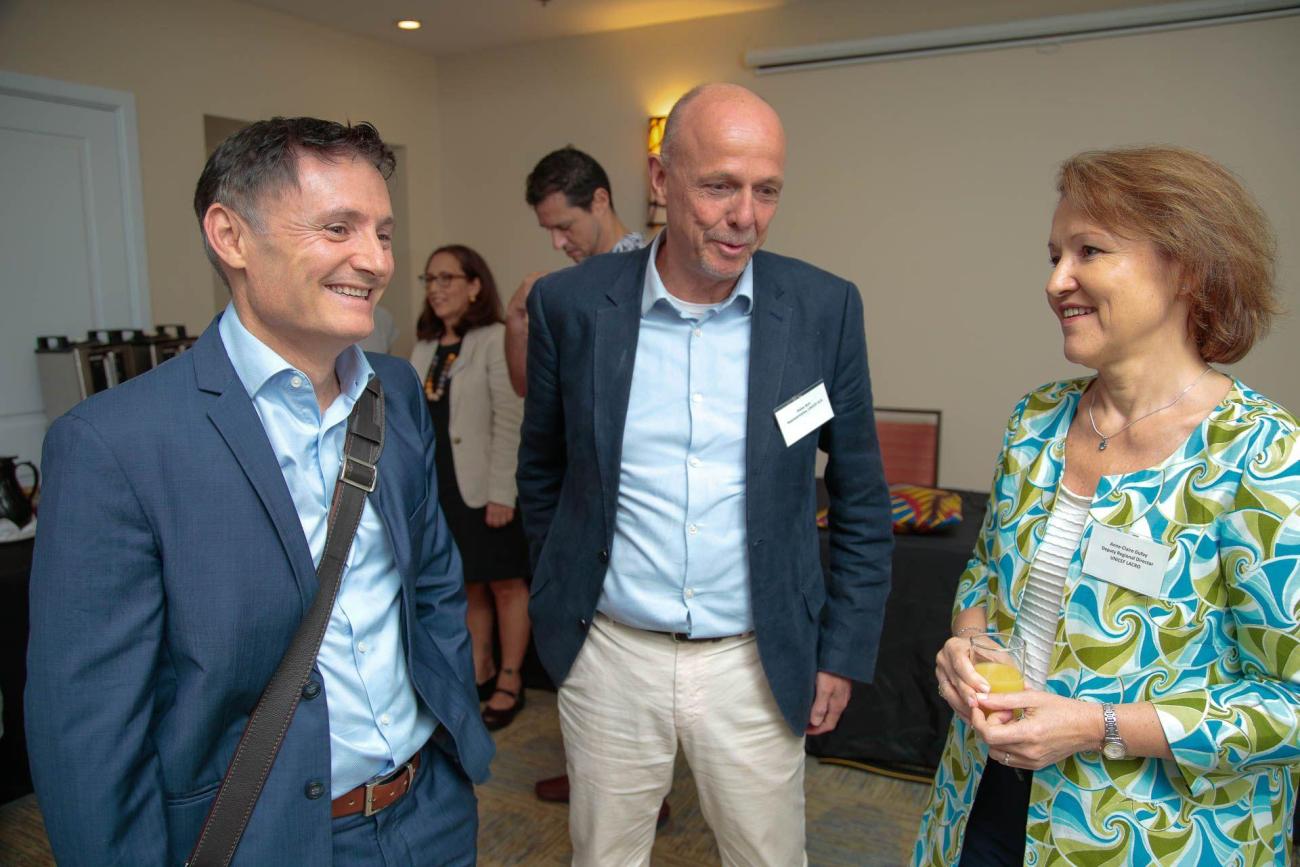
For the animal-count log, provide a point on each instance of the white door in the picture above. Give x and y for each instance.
(71, 240)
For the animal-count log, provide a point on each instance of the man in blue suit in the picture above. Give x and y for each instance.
(184, 513)
(677, 397)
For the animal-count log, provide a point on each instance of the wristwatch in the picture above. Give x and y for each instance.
(1112, 745)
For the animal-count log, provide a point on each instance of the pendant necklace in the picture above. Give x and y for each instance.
(1106, 438)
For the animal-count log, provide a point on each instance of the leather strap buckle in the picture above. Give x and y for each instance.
(358, 473)
(370, 808)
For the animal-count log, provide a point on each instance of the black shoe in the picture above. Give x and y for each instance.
(486, 688)
(498, 719)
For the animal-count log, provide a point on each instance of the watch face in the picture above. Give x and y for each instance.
(1113, 750)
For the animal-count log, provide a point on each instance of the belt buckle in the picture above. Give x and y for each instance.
(370, 808)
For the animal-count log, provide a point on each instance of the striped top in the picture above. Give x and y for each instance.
(1040, 610)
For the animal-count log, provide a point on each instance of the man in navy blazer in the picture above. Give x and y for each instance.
(678, 596)
(183, 515)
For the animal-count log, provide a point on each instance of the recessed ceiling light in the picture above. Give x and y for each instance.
(408, 24)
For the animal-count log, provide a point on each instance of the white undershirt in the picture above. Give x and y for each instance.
(1041, 607)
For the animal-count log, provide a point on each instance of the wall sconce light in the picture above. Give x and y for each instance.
(656, 214)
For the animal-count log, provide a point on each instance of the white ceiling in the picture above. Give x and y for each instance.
(452, 26)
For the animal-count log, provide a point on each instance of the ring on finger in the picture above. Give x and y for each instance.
(941, 683)
(1006, 758)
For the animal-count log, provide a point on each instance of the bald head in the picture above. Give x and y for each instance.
(715, 105)
(719, 172)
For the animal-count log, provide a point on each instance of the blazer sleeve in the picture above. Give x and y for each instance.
(542, 444)
(861, 531)
(507, 416)
(94, 658)
(1251, 723)
(973, 587)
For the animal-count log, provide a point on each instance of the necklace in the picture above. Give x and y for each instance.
(1106, 438)
(436, 385)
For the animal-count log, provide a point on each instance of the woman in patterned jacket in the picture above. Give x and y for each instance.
(1143, 538)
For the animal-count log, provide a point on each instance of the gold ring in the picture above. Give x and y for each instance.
(940, 686)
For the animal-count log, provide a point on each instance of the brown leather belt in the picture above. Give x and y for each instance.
(370, 798)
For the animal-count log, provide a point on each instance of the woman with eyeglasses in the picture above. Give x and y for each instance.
(476, 416)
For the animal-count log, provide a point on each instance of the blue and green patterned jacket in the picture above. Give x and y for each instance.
(1217, 652)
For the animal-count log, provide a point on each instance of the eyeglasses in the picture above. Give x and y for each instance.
(442, 278)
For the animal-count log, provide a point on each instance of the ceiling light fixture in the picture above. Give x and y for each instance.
(408, 24)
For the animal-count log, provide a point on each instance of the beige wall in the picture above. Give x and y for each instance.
(186, 60)
(927, 182)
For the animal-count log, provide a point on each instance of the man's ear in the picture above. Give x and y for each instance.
(658, 180)
(600, 201)
(227, 235)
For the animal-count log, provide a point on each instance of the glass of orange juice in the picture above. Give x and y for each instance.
(999, 658)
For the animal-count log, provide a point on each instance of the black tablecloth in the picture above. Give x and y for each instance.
(15, 564)
(899, 721)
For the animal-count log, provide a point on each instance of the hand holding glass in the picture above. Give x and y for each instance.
(999, 658)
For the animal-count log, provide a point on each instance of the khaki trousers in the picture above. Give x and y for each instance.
(630, 700)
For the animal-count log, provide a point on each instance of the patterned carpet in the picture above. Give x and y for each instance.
(855, 819)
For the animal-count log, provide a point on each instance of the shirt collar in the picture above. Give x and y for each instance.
(255, 362)
(655, 291)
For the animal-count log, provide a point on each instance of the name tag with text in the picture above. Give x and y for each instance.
(1126, 560)
(804, 413)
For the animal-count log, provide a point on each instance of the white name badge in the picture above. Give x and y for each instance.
(1126, 560)
(804, 413)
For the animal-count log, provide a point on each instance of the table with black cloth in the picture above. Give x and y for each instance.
(898, 722)
(15, 566)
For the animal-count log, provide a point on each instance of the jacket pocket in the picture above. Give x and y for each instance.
(814, 593)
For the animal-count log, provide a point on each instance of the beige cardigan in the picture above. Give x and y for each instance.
(485, 415)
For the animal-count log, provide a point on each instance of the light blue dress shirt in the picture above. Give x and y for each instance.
(376, 719)
(679, 560)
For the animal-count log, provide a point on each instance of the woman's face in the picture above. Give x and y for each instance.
(1116, 298)
(449, 302)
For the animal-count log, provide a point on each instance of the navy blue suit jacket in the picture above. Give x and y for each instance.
(170, 572)
(807, 326)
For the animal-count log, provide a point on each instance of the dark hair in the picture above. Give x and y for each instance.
(262, 158)
(571, 172)
(1201, 218)
(483, 310)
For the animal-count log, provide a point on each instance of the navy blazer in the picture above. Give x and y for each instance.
(807, 326)
(170, 572)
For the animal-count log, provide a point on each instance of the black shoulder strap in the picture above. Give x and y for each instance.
(261, 740)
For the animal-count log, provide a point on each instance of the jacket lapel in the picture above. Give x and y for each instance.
(618, 323)
(387, 498)
(237, 421)
(768, 342)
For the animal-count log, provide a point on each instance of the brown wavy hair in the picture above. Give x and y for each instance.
(1201, 218)
(483, 310)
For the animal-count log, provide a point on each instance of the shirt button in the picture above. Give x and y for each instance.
(362, 647)
(386, 720)
(690, 594)
(694, 461)
(697, 332)
(314, 789)
(296, 382)
(692, 529)
(697, 398)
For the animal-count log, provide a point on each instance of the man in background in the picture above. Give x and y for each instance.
(183, 517)
(570, 193)
(677, 398)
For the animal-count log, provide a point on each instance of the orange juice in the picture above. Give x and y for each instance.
(1001, 677)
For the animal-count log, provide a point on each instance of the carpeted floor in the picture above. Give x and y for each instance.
(854, 818)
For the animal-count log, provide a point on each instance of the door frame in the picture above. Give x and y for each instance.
(121, 105)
